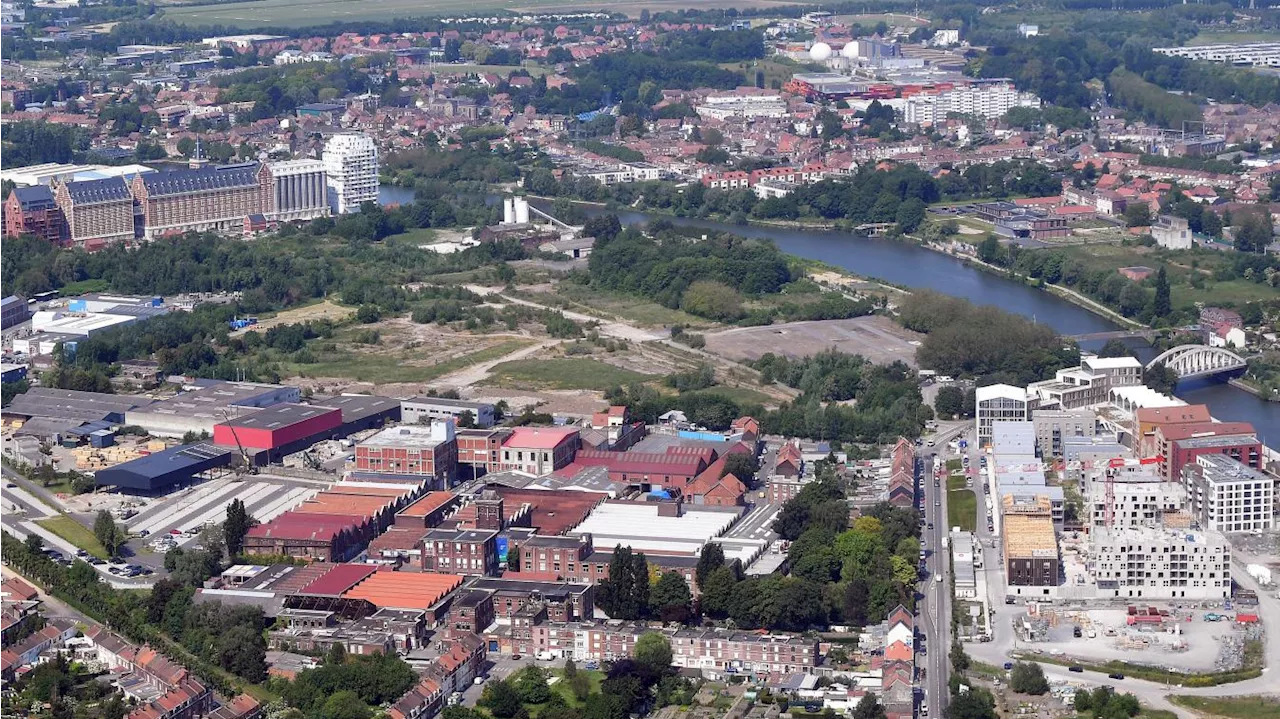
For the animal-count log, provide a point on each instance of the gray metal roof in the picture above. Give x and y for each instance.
(110, 189)
(34, 197)
(177, 182)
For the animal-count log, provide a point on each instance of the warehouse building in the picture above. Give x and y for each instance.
(539, 450)
(362, 411)
(279, 430)
(162, 471)
(421, 410)
(203, 408)
(657, 527)
(55, 410)
(13, 311)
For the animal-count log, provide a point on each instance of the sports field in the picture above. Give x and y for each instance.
(300, 13)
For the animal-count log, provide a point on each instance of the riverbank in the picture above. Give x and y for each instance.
(1063, 293)
(1251, 388)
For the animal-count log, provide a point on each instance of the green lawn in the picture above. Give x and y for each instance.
(637, 310)
(954, 465)
(74, 532)
(955, 481)
(389, 368)
(1232, 707)
(83, 287)
(962, 508)
(570, 373)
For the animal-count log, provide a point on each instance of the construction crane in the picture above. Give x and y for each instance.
(244, 456)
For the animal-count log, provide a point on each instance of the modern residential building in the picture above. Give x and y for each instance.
(1134, 499)
(420, 410)
(34, 211)
(1032, 566)
(983, 98)
(1162, 563)
(1052, 426)
(1087, 385)
(1147, 420)
(999, 403)
(98, 212)
(203, 198)
(351, 166)
(1228, 496)
(299, 190)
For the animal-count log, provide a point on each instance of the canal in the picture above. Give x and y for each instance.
(909, 265)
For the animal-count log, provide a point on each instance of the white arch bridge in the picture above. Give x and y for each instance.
(1190, 361)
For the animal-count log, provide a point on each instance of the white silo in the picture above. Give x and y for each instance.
(508, 211)
(522, 211)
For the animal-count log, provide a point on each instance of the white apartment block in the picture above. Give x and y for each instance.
(1162, 563)
(1137, 499)
(351, 164)
(623, 173)
(988, 99)
(1228, 496)
(999, 403)
(726, 106)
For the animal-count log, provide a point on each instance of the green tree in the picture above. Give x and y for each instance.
(959, 660)
(976, 703)
(501, 699)
(949, 402)
(711, 559)
(910, 214)
(671, 600)
(717, 592)
(531, 685)
(625, 593)
(1160, 378)
(345, 704)
(653, 650)
(989, 250)
(34, 544)
(1254, 232)
(1137, 214)
(1162, 305)
(235, 527)
(107, 533)
(742, 465)
(1028, 678)
(1115, 348)
(869, 707)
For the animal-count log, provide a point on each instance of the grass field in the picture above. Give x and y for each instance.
(303, 313)
(1222, 38)
(636, 310)
(741, 395)
(569, 373)
(962, 506)
(74, 532)
(394, 368)
(302, 13)
(1231, 707)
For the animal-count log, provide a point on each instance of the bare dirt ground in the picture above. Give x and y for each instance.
(321, 311)
(877, 338)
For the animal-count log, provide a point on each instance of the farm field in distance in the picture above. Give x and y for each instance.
(302, 13)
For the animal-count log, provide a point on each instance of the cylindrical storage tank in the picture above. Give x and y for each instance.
(508, 211)
(522, 211)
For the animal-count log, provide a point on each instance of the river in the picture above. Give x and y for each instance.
(909, 265)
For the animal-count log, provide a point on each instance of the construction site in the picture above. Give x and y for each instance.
(1185, 638)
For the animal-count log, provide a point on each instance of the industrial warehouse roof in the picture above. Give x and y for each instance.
(348, 504)
(551, 511)
(72, 404)
(36, 197)
(404, 590)
(639, 526)
(306, 527)
(280, 416)
(427, 503)
(111, 189)
(338, 580)
(162, 469)
(670, 462)
(203, 179)
(356, 407)
(446, 402)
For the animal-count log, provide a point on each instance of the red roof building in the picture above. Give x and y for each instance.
(539, 450)
(324, 537)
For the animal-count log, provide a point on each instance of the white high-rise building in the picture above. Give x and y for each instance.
(1162, 563)
(987, 99)
(351, 163)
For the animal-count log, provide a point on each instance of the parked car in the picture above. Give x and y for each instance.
(1116, 675)
(1008, 665)
(1075, 668)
